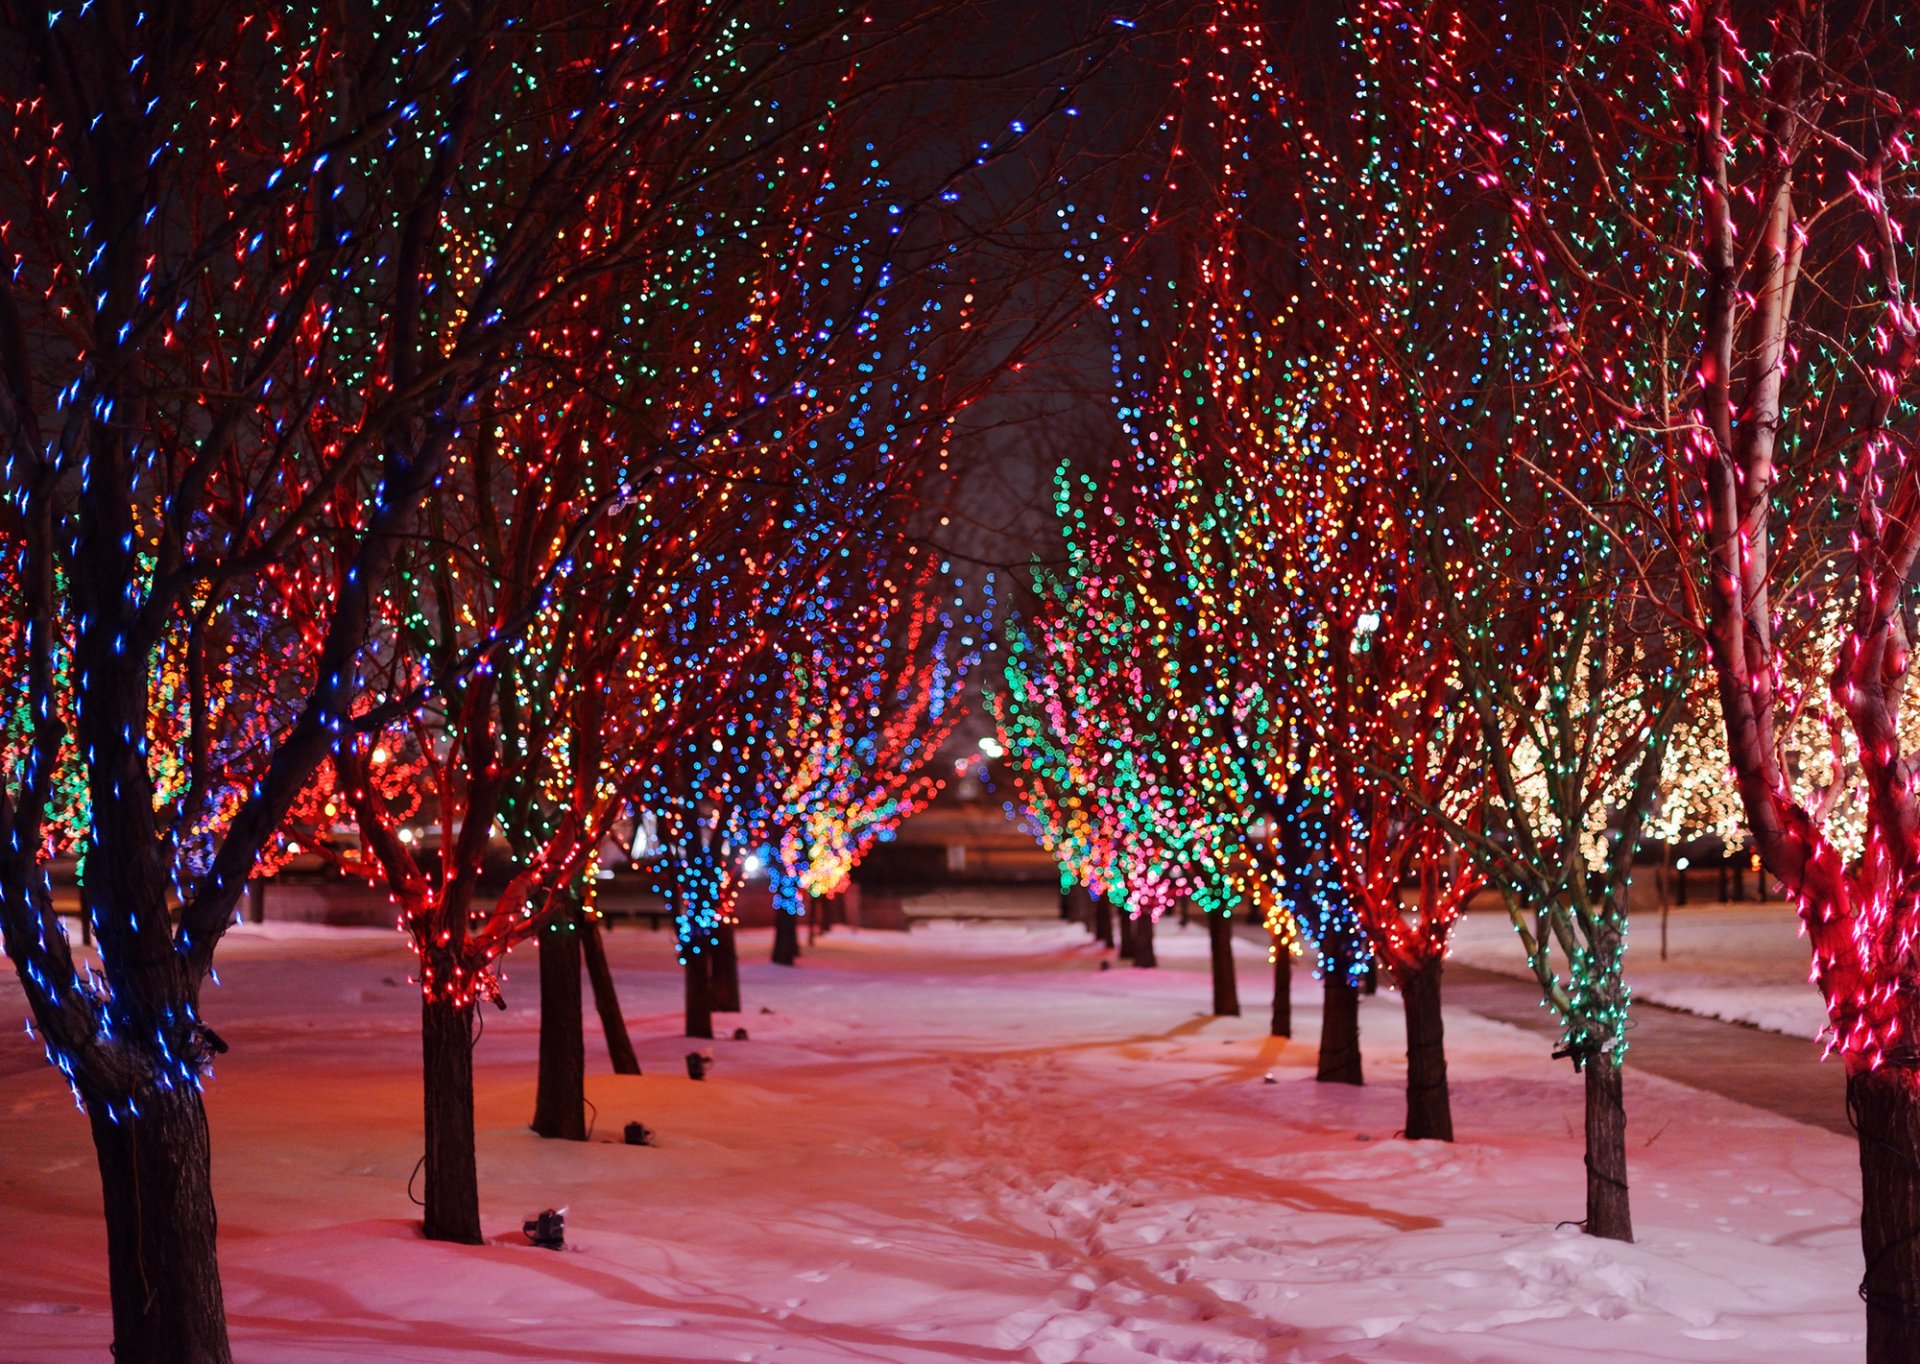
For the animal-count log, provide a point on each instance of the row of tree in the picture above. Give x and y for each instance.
(1519, 420)
(438, 435)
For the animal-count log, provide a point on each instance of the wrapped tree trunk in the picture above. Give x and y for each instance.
(560, 1096)
(1128, 928)
(155, 1182)
(724, 984)
(698, 973)
(1884, 1105)
(605, 1001)
(1143, 942)
(1226, 986)
(1340, 1028)
(452, 1189)
(1282, 1021)
(1429, 1110)
(1608, 1214)
(786, 938)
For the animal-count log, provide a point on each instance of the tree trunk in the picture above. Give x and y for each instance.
(1226, 986)
(560, 1095)
(1429, 1111)
(699, 978)
(1607, 1211)
(452, 1186)
(725, 983)
(1103, 922)
(1282, 1024)
(1884, 1106)
(1143, 942)
(605, 1001)
(786, 938)
(156, 1184)
(1127, 926)
(1340, 1029)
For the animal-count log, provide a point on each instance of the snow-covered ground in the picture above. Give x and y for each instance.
(1746, 963)
(967, 1143)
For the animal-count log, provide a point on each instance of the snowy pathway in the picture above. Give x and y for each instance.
(1746, 962)
(1767, 1070)
(959, 1144)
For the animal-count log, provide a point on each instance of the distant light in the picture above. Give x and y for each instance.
(752, 865)
(379, 755)
(1681, 863)
(406, 835)
(991, 747)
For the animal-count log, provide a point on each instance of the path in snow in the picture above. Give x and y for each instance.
(1745, 962)
(960, 1144)
(1766, 1070)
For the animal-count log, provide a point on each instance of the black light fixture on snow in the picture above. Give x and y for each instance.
(548, 1230)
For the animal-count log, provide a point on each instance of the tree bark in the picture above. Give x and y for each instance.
(1282, 1022)
(699, 979)
(1429, 1110)
(1340, 1029)
(606, 1001)
(1126, 924)
(786, 938)
(1143, 942)
(452, 1185)
(1884, 1107)
(1102, 917)
(1226, 985)
(1607, 1212)
(560, 1095)
(724, 985)
(162, 1271)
